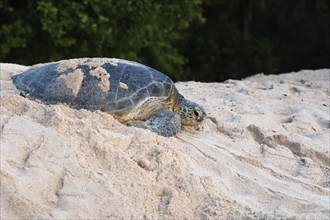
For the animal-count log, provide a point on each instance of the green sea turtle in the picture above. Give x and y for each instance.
(133, 93)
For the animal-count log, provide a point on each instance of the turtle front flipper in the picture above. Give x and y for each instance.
(165, 123)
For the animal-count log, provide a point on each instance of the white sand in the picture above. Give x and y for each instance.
(267, 158)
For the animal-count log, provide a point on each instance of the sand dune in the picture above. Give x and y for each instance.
(268, 157)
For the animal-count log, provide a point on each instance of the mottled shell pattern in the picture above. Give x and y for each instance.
(111, 85)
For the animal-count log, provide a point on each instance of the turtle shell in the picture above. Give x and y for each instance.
(104, 84)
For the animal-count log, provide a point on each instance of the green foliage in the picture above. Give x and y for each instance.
(207, 40)
(145, 31)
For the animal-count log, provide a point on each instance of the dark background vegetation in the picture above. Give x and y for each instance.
(205, 40)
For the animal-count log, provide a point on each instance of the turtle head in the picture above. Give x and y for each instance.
(191, 113)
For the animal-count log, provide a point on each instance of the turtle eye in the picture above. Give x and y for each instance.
(196, 112)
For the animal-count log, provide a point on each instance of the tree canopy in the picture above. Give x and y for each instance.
(206, 40)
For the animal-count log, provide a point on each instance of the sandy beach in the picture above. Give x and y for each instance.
(267, 157)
